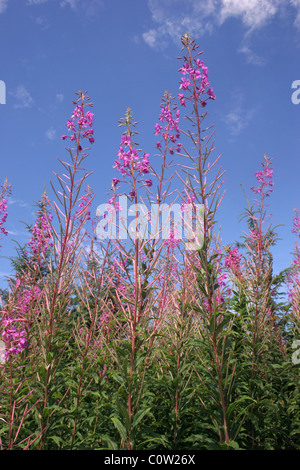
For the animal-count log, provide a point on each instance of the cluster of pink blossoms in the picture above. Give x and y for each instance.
(233, 260)
(170, 132)
(172, 242)
(84, 206)
(293, 282)
(130, 160)
(26, 299)
(264, 177)
(220, 294)
(190, 200)
(5, 190)
(14, 336)
(15, 340)
(293, 279)
(221, 281)
(41, 238)
(104, 320)
(196, 77)
(81, 120)
(221, 278)
(296, 223)
(253, 239)
(129, 163)
(3, 215)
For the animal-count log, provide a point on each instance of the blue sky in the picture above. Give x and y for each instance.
(123, 52)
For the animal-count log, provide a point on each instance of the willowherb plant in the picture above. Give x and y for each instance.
(202, 186)
(293, 279)
(5, 192)
(137, 278)
(258, 333)
(146, 339)
(259, 261)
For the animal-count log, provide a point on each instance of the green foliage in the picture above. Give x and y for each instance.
(146, 347)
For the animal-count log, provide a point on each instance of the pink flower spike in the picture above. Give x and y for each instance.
(211, 94)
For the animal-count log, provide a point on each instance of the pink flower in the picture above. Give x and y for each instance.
(184, 83)
(125, 140)
(264, 177)
(172, 242)
(296, 223)
(181, 99)
(198, 77)
(233, 260)
(80, 120)
(195, 74)
(3, 206)
(185, 69)
(211, 94)
(157, 128)
(83, 213)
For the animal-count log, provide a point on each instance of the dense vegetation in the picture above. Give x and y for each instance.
(150, 343)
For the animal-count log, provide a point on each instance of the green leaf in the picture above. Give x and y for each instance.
(112, 445)
(120, 428)
(140, 415)
(58, 440)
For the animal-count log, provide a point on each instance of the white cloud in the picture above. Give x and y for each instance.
(252, 58)
(89, 7)
(175, 17)
(23, 97)
(19, 202)
(3, 5)
(239, 116)
(51, 134)
(172, 18)
(42, 22)
(296, 4)
(59, 97)
(72, 3)
(150, 37)
(35, 2)
(253, 13)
